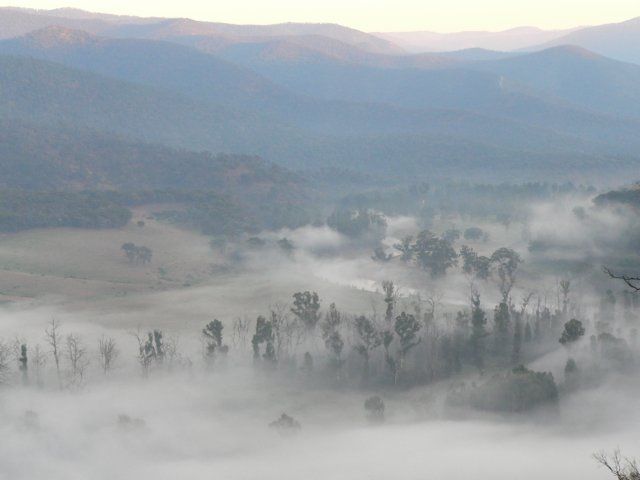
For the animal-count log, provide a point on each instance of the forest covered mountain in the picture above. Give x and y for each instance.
(70, 177)
(312, 113)
(620, 41)
(306, 97)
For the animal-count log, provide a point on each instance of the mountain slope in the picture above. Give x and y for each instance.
(19, 21)
(177, 28)
(508, 40)
(204, 77)
(477, 55)
(441, 142)
(466, 87)
(578, 76)
(81, 178)
(309, 49)
(48, 158)
(159, 64)
(620, 41)
(50, 94)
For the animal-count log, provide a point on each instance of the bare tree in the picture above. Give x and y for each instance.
(108, 352)
(76, 353)
(240, 331)
(434, 301)
(172, 353)
(52, 337)
(146, 350)
(287, 329)
(623, 468)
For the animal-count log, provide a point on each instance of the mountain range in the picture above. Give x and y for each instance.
(315, 96)
(507, 40)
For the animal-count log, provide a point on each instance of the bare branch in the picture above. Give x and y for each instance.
(632, 282)
(76, 353)
(108, 352)
(53, 338)
(623, 468)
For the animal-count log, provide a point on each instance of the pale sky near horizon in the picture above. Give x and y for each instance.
(373, 15)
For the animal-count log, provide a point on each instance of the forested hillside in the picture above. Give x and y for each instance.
(301, 112)
(91, 178)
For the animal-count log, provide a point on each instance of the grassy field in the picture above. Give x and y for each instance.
(73, 264)
(83, 277)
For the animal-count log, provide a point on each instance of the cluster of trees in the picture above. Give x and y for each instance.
(217, 213)
(407, 345)
(515, 391)
(23, 210)
(137, 253)
(69, 354)
(504, 203)
(357, 223)
(437, 254)
(210, 212)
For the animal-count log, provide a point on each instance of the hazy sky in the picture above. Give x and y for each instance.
(376, 15)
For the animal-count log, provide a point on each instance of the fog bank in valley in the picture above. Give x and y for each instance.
(188, 415)
(190, 426)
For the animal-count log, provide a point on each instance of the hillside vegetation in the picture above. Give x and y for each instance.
(61, 177)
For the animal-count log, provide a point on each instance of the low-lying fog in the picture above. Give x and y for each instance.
(192, 427)
(188, 422)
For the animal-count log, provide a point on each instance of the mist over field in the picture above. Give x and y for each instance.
(216, 426)
(306, 251)
(185, 418)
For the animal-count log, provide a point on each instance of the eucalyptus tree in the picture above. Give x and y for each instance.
(434, 254)
(478, 331)
(306, 307)
(212, 337)
(263, 335)
(505, 262)
(332, 337)
(369, 338)
(407, 328)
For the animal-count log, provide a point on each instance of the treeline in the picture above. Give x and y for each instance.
(505, 202)
(627, 196)
(211, 212)
(410, 344)
(22, 210)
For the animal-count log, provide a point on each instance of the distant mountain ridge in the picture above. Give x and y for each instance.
(507, 40)
(15, 22)
(577, 75)
(316, 96)
(422, 100)
(45, 94)
(620, 41)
